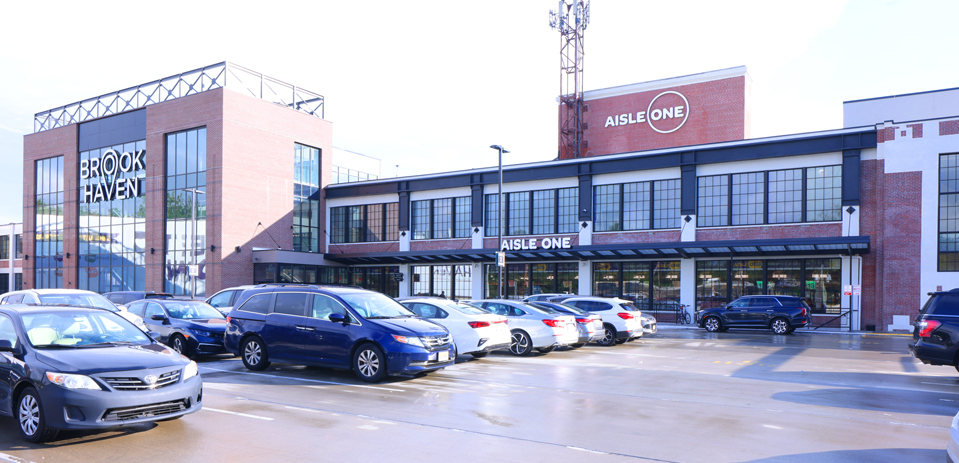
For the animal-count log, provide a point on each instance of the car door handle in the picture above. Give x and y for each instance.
(305, 328)
(769, 310)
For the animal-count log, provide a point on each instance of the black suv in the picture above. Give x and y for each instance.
(781, 314)
(934, 339)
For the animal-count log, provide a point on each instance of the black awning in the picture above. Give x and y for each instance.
(843, 245)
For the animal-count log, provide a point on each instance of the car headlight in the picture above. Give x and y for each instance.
(411, 340)
(205, 334)
(190, 371)
(73, 381)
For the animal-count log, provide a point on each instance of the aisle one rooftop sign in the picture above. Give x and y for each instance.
(709, 107)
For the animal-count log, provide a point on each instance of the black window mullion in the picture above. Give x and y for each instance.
(649, 290)
(804, 188)
(766, 197)
(802, 278)
(652, 206)
(506, 230)
(621, 265)
(555, 213)
(429, 233)
(765, 277)
(729, 278)
(529, 221)
(729, 201)
(383, 227)
(365, 220)
(622, 217)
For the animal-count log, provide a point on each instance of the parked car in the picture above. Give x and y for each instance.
(69, 297)
(937, 329)
(338, 327)
(225, 299)
(475, 331)
(533, 327)
(590, 325)
(621, 318)
(544, 296)
(649, 323)
(781, 314)
(123, 298)
(73, 368)
(189, 327)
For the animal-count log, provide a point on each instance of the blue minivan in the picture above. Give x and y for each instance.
(338, 327)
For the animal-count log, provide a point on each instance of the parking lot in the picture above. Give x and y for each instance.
(682, 395)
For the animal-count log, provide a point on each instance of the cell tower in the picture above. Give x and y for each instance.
(570, 20)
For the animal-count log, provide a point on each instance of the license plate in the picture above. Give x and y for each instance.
(442, 356)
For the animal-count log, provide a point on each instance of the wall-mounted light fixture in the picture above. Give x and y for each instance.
(476, 230)
(584, 224)
(687, 219)
(402, 233)
(26, 257)
(212, 248)
(152, 251)
(238, 249)
(68, 255)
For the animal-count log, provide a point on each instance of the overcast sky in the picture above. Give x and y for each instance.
(429, 85)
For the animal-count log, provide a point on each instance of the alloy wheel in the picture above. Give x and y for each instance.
(368, 362)
(519, 344)
(29, 415)
(178, 345)
(607, 337)
(252, 353)
(780, 326)
(712, 324)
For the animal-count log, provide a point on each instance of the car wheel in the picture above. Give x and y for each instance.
(780, 326)
(254, 354)
(178, 344)
(609, 336)
(369, 363)
(33, 425)
(521, 344)
(546, 350)
(712, 324)
(479, 355)
(578, 345)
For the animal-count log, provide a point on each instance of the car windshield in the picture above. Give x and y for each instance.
(469, 309)
(80, 300)
(540, 309)
(191, 310)
(78, 329)
(375, 305)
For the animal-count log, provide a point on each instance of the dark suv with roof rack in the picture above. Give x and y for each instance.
(781, 314)
(338, 327)
(936, 330)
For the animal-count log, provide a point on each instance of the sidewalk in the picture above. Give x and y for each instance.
(674, 327)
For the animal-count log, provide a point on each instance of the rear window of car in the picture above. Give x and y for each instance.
(948, 304)
(470, 309)
(259, 303)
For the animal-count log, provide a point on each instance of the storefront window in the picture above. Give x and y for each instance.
(186, 214)
(517, 279)
(48, 251)
(420, 280)
(606, 279)
(666, 285)
(784, 277)
(747, 278)
(306, 201)
(492, 281)
(711, 283)
(824, 284)
(636, 282)
(568, 277)
(544, 278)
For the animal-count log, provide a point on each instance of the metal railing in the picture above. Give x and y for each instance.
(200, 80)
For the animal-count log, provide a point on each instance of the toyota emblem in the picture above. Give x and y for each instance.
(150, 380)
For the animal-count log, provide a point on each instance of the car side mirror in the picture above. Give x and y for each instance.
(158, 317)
(336, 317)
(6, 346)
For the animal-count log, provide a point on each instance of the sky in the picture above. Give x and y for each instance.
(430, 85)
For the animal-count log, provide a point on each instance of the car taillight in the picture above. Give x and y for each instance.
(554, 323)
(500, 321)
(625, 315)
(478, 324)
(803, 313)
(583, 320)
(926, 327)
(228, 319)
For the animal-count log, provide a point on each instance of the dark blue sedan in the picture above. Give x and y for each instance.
(189, 327)
(84, 368)
(365, 331)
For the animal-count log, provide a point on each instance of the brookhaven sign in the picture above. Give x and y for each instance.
(109, 165)
(525, 244)
(676, 108)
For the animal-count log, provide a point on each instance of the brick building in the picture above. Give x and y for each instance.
(672, 205)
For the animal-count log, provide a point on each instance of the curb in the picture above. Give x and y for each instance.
(672, 327)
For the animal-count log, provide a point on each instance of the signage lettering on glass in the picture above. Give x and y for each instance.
(109, 166)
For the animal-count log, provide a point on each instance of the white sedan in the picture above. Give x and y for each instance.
(475, 331)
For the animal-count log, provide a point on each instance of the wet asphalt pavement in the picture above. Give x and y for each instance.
(682, 395)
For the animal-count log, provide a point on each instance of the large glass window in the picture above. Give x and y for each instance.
(5, 247)
(442, 218)
(824, 194)
(356, 216)
(748, 198)
(111, 231)
(949, 213)
(666, 285)
(606, 208)
(367, 223)
(518, 209)
(606, 279)
(816, 280)
(306, 198)
(544, 210)
(747, 278)
(636, 202)
(448, 281)
(711, 283)
(19, 244)
(666, 203)
(517, 281)
(543, 277)
(568, 210)
(785, 196)
(785, 277)
(651, 285)
(374, 222)
(48, 247)
(492, 215)
(712, 201)
(636, 282)
(420, 213)
(392, 222)
(463, 217)
(824, 284)
(185, 213)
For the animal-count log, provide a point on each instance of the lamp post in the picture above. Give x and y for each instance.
(193, 279)
(499, 194)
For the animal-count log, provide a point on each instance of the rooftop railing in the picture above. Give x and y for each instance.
(220, 75)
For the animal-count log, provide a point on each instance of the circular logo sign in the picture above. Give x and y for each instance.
(667, 112)
(150, 380)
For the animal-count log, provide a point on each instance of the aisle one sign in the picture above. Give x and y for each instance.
(531, 244)
(672, 110)
(110, 165)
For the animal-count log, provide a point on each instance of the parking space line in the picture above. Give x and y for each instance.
(306, 380)
(237, 414)
(5, 457)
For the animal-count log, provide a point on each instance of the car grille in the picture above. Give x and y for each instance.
(436, 342)
(137, 384)
(145, 411)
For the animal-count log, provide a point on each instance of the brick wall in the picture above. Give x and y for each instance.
(658, 236)
(806, 230)
(870, 224)
(436, 245)
(355, 248)
(949, 127)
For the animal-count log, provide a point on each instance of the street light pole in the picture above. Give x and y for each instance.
(499, 229)
(193, 240)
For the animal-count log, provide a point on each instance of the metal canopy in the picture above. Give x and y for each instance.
(843, 245)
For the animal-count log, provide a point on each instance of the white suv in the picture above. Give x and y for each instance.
(622, 320)
(69, 297)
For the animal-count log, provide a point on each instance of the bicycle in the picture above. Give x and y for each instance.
(682, 316)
